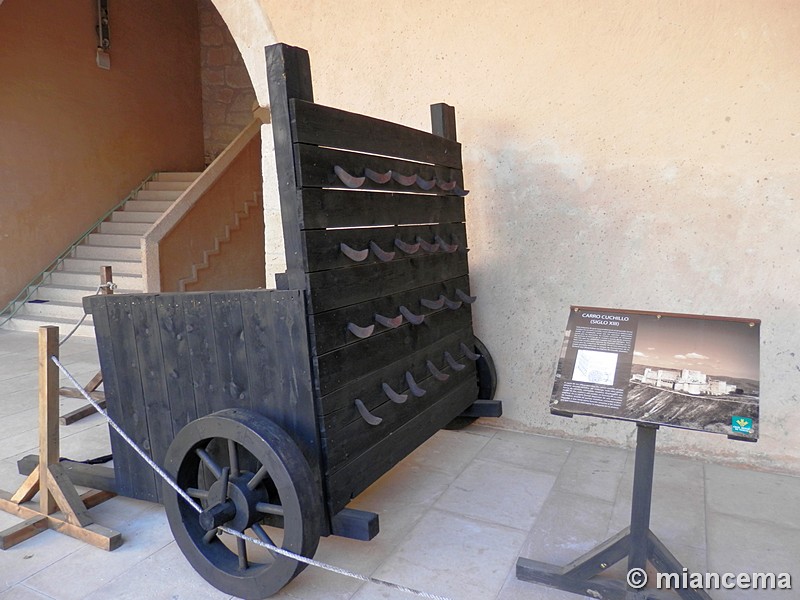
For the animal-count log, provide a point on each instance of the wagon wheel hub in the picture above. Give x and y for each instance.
(233, 503)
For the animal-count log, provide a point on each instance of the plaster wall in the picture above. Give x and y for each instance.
(76, 139)
(625, 154)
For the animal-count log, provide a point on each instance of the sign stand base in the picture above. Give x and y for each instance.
(636, 542)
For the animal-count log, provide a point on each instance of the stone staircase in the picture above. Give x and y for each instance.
(58, 300)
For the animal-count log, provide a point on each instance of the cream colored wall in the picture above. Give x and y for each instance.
(623, 154)
(76, 139)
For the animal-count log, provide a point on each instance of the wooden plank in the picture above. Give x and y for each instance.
(288, 76)
(346, 443)
(229, 333)
(345, 208)
(94, 534)
(278, 359)
(96, 477)
(329, 329)
(71, 392)
(84, 411)
(125, 397)
(337, 407)
(360, 473)
(200, 336)
(325, 126)
(443, 121)
(323, 250)
(336, 369)
(48, 413)
(151, 370)
(342, 287)
(315, 170)
(355, 524)
(67, 497)
(277, 351)
(29, 487)
(177, 363)
(22, 531)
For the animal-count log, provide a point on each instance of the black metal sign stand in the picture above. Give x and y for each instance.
(636, 542)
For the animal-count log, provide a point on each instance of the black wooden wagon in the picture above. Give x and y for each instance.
(274, 408)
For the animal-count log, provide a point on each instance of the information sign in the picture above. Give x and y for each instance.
(687, 371)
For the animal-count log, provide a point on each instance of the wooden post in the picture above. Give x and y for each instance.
(106, 278)
(48, 414)
(49, 479)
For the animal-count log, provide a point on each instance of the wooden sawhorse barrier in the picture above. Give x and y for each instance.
(49, 479)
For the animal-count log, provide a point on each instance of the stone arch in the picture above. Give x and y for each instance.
(252, 31)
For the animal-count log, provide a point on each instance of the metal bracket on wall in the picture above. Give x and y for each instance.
(103, 40)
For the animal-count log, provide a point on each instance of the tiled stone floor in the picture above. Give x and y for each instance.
(455, 515)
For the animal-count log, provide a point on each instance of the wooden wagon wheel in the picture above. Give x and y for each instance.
(260, 483)
(487, 384)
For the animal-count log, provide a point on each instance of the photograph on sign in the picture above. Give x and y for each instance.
(686, 371)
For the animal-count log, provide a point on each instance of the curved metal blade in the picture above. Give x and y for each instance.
(347, 179)
(382, 255)
(437, 374)
(360, 332)
(464, 297)
(446, 186)
(427, 246)
(366, 415)
(407, 248)
(405, 180)
(452, 304)
(469, 353)
(453, 363)
(353, 254)
(433, 304)
(392, 395)
(378, 177)
(459, 192)
(445, 246)
(391, 323)
(425, 184)
(413, 387)
(411, 317)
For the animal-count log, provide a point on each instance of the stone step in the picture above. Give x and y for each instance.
(116, 240)
(146, 205)
(64, 293)
(78, 279)
(22, 323)
(155, 195)
(125, 228)
(135, 216)
(92, 265)
(52, 309)
(107, 253)
(177, 186)
(178, 176)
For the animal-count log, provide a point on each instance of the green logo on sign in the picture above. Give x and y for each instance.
(742, 424)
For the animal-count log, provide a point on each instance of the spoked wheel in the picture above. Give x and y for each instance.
(487, 384)
(248, 475)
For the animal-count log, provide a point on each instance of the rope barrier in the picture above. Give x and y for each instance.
(191, 502)
(111, 286)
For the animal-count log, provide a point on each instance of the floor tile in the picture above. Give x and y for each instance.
(498, 493)
(537, 453)
(450, 555)
(755, 495)
(593, 471)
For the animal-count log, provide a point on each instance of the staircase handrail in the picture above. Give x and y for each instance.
(38, 280)
(151, 265)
